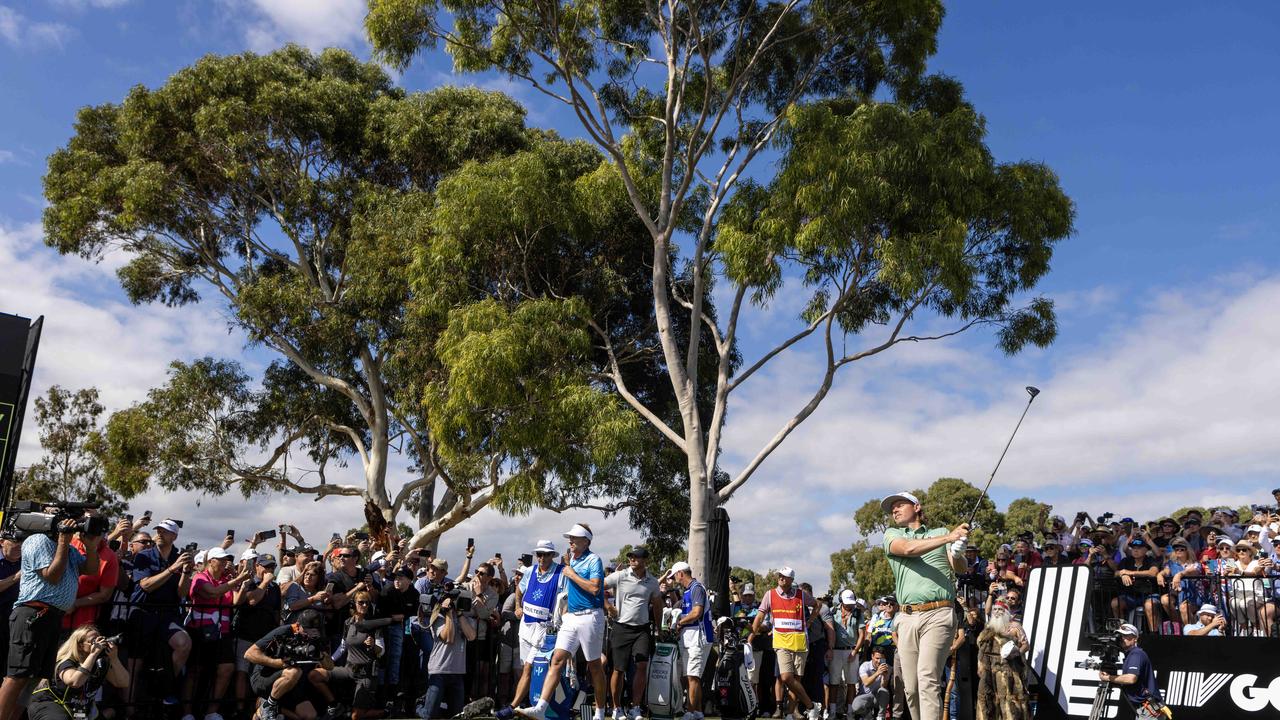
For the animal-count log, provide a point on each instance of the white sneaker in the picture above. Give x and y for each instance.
(618, 714)
(635, 713)
(533, 713)
(815, 713)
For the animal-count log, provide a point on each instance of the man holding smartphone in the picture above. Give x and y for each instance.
(874, 695)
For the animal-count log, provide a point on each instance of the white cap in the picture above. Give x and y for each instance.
(378, 556)
(681, 566)
(167, 524)
(199, 558)
(1127, 629)
(544, 546)
(887, 503)
(217, 553)
(1226, 540)
(1253, 528)
(249, 554)
(748, 589)
(785, 571)
(578, 531)
(1208, 608)
(847, 598)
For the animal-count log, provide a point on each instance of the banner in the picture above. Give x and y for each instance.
(19, 339)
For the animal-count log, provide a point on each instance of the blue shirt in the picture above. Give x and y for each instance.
(1137, 663)
(163, 599)
(588, 567)
(37, 554)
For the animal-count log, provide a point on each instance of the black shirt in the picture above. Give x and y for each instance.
(360, 657)
(1140, 584)
(8, 597)
(1137, 663)
(253, 621)
(74, 698)
(398, 602)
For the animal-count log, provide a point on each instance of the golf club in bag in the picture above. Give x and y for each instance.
(734, 694)
(1033, 392)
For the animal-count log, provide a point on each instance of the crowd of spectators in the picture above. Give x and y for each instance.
(164, 629)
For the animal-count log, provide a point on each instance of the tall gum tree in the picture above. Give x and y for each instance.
(339, 221)
(886, 206)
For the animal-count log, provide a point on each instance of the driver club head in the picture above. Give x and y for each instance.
(1033, 391)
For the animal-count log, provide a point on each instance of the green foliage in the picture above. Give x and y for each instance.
(1025, 515)
(71, 467)
(870, 567)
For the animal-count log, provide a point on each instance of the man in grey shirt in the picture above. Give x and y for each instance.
(636, 609)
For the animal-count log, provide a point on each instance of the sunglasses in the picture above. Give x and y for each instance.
(144, 542)
(541, 554)
(483, 573)
(346, 556)
(365, 603)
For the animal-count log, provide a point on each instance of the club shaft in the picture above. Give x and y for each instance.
(987, 487)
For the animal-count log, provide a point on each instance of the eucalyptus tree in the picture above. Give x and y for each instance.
(885, 207)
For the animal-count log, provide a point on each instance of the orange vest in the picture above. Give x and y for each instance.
(788, 621)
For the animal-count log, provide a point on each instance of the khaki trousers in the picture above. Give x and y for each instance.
(924, 641)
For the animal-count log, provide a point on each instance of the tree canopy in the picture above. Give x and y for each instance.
(71, 467)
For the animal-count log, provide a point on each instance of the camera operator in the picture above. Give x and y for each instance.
(10, 574)
(1137, 679)
(162, 580)
(49, 581)
(282, 660)
(85, 661)
(451, 629)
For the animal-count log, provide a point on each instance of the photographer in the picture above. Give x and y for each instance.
(875, 695)
(85, 661)
(50, 579)
(451, 629)
(282, 660)
(1137, 679)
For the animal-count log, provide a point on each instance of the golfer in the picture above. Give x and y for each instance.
(924, 562)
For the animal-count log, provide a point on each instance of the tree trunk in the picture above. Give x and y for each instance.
(701, 503)
(426, 512)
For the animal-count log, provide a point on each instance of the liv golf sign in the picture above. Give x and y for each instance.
(1209, 678)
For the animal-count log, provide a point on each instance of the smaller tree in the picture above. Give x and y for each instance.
(869, 565)
(71, 467)
(1025, 515)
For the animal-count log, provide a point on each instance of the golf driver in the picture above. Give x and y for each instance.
(1033, 392)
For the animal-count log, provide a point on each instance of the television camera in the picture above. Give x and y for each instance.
(26, 518)
(437, 594)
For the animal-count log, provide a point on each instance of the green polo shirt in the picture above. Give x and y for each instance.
(920, 579)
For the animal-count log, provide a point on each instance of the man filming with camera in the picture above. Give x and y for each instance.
(285, 662)
(1137, 679)
(50, 579)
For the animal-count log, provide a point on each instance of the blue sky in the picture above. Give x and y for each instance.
(1161, 124)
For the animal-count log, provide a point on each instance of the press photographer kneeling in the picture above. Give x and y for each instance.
(85, 661)
(51, 570)
(1137, 679)
(286, 664)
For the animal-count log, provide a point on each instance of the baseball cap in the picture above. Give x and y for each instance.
(638, 552)
(1085, 543)
(267, 560)
(1226, 540)
(199, 558)
(304, 548)
(1127, 629)
(1208, 608)
(1180, 542)
(167, 525)
(403, 571)
(1138, 542)
(440, 564)
(681, 567)
(785, 571)
(378, 556)
(578, 531)
(1253, 528)
(248, 555)
(887, 503)
(217, 553)
(847, 598)
(544, 546)
(748, 589)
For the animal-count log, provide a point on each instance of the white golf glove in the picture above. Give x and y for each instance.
(957, 547)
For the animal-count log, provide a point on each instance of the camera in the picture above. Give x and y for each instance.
(461, 597)
(1263, 509)
(1105, 649)
(30, 517)
(1105, 518)
(299, 650)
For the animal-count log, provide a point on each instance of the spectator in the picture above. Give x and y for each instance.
(1137, 576)
(1245, 590)
(1179, 596)
(10, 574)
(1053, 555)
(363, 639)
(347, 579)
(86, 662)
(1191, 534)
(48, 584)
(212, 600)
(976, 565)
(874, 696)
(850, 636)
(510, 665)
(308, 593)
(95, 589)
(399, 602)
(162, 580)
(446, 668)
(484, 610)
(258, 606)
(1002, 691)
(302, 556)
(1209, 623)
(636, 612)
(820, 632)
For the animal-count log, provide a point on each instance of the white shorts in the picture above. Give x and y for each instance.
(584, 631)
(696, 650)
(532, 636)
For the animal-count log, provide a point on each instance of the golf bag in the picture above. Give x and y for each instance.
(734, 694)
(664, 694)
(567, 696)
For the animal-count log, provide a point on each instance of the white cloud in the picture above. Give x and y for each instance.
(17, 31)
(7, 156)
(316, 24)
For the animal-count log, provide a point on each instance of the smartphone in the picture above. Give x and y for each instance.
(129, 517)
(498, 555)
(267, 534)
(335, 537)
(471, 542)
(360, 535)
(231, 534)
(191, 549)
(329, 588)
(526, 559)
(146, 513)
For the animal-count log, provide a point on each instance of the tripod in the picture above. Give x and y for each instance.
(1099, 709)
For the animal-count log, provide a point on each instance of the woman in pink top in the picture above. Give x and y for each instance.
(212, 591)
